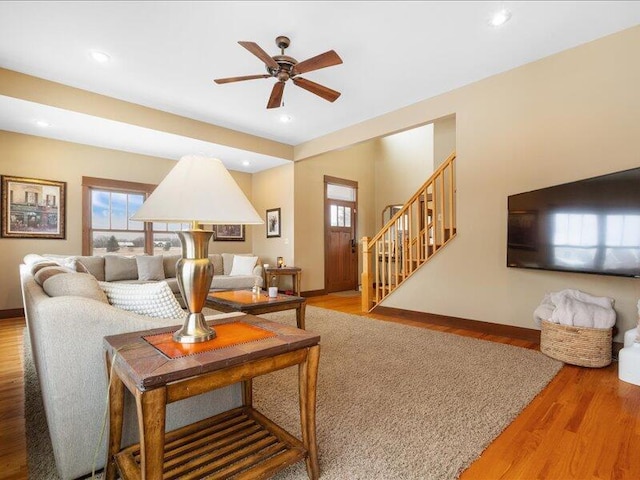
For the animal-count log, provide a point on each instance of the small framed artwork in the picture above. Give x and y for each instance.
(33, 208)
(273, 223)
(228, 233)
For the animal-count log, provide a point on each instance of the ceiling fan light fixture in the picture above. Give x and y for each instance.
(284, 68)
(500, 18)
(100, 57)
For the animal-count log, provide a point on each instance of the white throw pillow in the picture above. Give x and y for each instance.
(150, 299)
(242, 265)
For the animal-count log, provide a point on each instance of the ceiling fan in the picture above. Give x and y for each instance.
(283, 67)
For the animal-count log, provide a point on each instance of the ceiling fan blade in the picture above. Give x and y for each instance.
(275, 100)
(220, 81)
(320, 90)
(326, 59)
(260, 53)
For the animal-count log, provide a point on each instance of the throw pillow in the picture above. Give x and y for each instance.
(120, 268)
(150, 299)
(93, 264)
(216, 261)
(227, 263)
(77, 284)
(46, 271)
(242, 265)
(169, 262)
(150, 267)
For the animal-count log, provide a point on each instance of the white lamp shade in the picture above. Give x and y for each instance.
(198, 189)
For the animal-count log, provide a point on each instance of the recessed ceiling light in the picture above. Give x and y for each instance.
(500, 18)
(43, 123)
(246, 163)
(100, 57)
(285, 118)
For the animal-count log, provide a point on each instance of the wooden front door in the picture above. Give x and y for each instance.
(341, 251)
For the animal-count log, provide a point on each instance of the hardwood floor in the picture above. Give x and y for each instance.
(13, 447)
(584, 425)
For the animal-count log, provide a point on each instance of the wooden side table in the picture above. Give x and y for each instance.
(246, 302)
(295, 272)
(239, 442)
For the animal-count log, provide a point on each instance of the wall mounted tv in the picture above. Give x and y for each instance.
(588, 226)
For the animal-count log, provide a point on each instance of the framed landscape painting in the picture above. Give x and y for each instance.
(228, 233)
(273, 223)
(33, 208)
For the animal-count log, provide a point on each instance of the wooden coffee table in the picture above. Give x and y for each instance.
(207, 448)
(245, 301)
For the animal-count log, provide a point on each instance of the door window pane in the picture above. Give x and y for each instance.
(347, 217)
(341, 192)
(340, 216)
(334, 215)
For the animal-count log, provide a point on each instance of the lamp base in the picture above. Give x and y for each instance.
(194, 273)
(194, 330)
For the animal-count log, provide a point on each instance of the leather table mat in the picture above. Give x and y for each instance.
(227, 335)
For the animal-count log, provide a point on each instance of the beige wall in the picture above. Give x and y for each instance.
(570, 116)
(402, 164)
(245, 182)
(355, 163)
(444, 135)
(274, 188)
(29, 156)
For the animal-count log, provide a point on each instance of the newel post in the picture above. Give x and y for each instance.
(365, 279)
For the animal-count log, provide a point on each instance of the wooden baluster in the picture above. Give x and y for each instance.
(366, 279)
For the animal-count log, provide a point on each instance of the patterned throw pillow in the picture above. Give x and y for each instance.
(150, 299)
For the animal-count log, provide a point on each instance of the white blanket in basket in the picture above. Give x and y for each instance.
(573, 307)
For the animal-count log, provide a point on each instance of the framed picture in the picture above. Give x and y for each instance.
(33, 208)
(228, 233)
(273, 223)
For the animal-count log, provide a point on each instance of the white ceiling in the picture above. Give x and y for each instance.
(166, 54)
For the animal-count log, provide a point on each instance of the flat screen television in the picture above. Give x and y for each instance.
(588, 226)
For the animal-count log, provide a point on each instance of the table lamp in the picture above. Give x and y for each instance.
(198, 190)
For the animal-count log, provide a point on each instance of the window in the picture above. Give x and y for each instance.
(108, 206)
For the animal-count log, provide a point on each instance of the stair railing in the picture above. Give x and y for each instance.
(425, 224)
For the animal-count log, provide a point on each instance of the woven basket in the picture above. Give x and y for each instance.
(585, 347)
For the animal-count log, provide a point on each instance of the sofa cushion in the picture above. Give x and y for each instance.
(77, 284)
(151, 299)
(169, 263)
(150, 267)
(43, 271)
(216, 261)
(93, 264)
(242, 265)
(117, 267)
(227, 263)
(240, 281)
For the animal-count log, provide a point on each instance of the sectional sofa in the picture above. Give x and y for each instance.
(68, 315)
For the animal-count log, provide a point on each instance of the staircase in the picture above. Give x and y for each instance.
(425, 224)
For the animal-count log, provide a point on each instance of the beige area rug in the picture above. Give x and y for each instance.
(394, 401)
